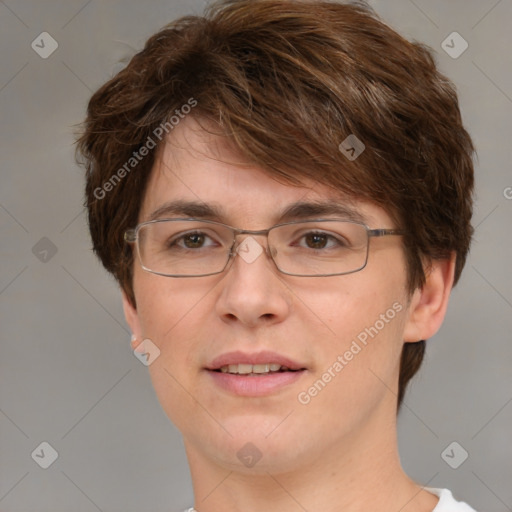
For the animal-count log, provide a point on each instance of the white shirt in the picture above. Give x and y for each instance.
(447, 502)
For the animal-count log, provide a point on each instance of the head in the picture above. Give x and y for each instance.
(248, 107)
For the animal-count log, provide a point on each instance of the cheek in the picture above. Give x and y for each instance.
(159, 309)
(342, 307)
(173, 315)
(366, 335)
(357, 374)
(164, 304)
(358, 353)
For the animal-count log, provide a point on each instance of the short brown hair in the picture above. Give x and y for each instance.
(287, 82)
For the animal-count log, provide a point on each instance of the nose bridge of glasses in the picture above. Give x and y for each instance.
(248, 234)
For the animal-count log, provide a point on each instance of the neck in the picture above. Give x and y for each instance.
(359, 473)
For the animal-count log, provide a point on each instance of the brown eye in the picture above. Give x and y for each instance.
(316, 240)
(193, 240)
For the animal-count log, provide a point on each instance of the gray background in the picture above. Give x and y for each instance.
(68, 376)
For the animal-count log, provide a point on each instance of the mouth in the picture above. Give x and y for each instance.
(255, 370)
(255, 375)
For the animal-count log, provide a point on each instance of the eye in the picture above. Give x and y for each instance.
(191, 240)
(321, 240)
(316, 240)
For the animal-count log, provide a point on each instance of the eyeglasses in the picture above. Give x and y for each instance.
(193, 247)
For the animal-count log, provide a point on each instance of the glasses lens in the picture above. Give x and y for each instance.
(184, 248)
(319, 247)
(195, 248)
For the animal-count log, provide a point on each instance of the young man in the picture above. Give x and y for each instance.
(283, 190)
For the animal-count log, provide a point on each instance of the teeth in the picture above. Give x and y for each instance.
(246, 369)
(260, 368)
(243, 368)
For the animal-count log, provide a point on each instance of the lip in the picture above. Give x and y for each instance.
(263, 357)
(257, 385)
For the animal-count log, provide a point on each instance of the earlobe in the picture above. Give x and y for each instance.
(132, 318)
(428, 304)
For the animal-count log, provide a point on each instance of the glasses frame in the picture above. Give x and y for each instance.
(131, 236)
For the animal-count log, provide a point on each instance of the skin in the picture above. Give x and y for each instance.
(338, 452)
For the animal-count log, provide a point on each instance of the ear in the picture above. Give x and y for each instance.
(428, 304)
(132, 318)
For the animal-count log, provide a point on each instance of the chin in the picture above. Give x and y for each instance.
(260, 458)
(258, 444)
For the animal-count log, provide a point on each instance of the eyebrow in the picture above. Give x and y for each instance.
(295, 211)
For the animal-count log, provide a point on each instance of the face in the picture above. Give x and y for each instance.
(343, 334)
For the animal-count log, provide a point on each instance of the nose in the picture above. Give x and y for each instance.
(253, 291)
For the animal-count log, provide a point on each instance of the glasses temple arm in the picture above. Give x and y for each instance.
(384, 232)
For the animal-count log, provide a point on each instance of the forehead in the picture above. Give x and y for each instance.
(199, 167)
